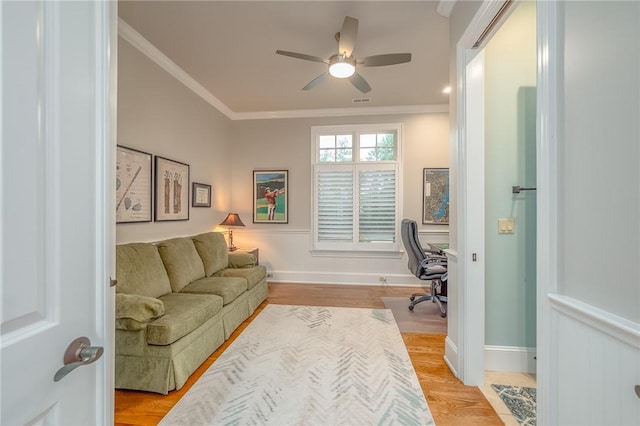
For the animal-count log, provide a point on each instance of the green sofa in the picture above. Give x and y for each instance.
(177, 301)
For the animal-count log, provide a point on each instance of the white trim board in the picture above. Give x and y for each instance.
(511, 359)
(451, 355)
(136, 39)
(343, 278)
(598, 319)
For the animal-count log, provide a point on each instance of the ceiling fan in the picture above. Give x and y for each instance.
(343, 64)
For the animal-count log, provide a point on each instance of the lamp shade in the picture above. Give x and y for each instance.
(232, 219)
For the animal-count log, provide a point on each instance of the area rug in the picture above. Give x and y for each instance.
(309, 365)
(425, 317)
(521, 401)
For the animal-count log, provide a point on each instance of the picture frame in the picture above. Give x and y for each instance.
(270, 196)
(172, 190)
(200, 195)
(435, 196)
(133, 185)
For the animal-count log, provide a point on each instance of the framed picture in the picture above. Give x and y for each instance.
(270, 196)
(172, 190)
(435, 196)
(200, 195)
(133, 185)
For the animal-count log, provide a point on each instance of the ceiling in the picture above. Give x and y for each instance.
(228, 47)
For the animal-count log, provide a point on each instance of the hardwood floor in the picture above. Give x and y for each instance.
(451, 402)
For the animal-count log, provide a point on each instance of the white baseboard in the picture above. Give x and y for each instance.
(451, 356)
(511, 359)
(344, 278)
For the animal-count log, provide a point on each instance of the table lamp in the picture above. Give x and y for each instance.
(232, 219)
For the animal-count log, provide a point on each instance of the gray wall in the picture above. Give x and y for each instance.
(159, 115)
(599, 160)
(510, 159)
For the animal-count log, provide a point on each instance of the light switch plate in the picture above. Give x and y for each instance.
(506, 226)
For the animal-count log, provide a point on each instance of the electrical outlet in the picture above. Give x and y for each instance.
(382, 279)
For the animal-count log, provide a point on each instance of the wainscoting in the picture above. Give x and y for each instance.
(596, 361)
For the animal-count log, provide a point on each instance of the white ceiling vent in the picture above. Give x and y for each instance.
(361, 100)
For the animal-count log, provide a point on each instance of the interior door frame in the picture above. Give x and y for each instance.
(548, 67)
(471, 239)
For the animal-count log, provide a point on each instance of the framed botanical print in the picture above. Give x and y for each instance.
(172, 190)
(270, 196)
(133, 185)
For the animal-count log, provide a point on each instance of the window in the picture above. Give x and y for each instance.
(355, 187)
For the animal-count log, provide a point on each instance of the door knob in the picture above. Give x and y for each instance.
(79, 352)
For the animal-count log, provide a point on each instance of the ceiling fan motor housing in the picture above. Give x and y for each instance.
(341, 66)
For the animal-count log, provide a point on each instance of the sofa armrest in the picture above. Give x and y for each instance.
(133, 312)
(241, 260)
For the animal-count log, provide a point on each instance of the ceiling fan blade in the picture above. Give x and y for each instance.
(382, 60)
(300, 56)
(360, 83)
(319, 79)
(348, 35)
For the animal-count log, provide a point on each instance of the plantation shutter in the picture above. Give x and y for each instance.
(377, 206)
(335, 206)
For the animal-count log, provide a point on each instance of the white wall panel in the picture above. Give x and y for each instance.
(598, 365)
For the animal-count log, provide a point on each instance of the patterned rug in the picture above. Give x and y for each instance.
(308, 365)
(521, 401)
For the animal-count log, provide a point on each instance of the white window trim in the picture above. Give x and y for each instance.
(359, 249)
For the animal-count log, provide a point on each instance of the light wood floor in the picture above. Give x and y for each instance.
(451, 402)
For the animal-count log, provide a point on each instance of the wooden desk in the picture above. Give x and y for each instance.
(439, 247)
(254, 251)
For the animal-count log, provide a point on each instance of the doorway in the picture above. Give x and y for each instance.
(499, 145)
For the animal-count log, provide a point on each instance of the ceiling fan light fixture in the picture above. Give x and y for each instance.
(341, 67)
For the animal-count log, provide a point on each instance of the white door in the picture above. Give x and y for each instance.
(589, 213)
(55, 195)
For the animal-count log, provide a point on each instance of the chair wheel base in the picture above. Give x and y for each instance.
(412, 298)
(411, 307)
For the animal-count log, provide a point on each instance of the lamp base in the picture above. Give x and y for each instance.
(234, 248)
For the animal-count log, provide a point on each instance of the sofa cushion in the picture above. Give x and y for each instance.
(134, 311)
(181, 261)
(213, 250)
(253, 275)
(139, 270)
(183, 314)
(229, 288)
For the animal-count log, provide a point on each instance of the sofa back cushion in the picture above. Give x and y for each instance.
(213, 250)
(181, 261)
(139, 270)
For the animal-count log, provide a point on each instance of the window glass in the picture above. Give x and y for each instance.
(355, 198)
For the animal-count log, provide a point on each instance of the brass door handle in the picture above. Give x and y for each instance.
(79, 352)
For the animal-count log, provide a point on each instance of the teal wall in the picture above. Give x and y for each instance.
(510, 159)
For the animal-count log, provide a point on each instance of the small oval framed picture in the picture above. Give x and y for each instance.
(201, 193)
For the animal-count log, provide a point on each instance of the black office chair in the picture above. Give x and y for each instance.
(425, 265)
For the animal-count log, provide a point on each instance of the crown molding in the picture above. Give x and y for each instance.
(136, 39)
(341, 112)
(445, 7)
